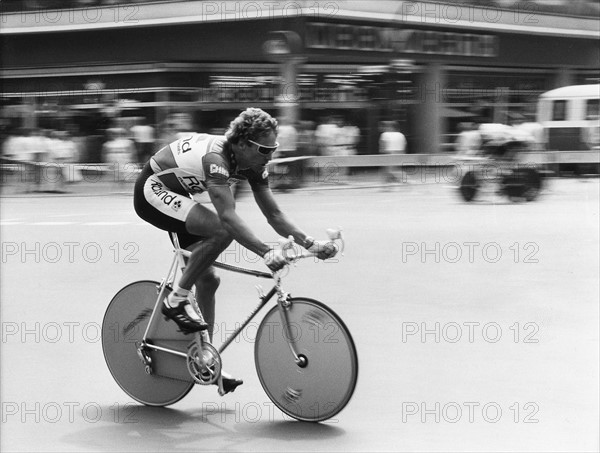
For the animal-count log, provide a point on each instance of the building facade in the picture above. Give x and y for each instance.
(196, 64)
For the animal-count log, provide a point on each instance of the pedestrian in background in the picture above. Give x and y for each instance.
(469, 139)
(143, 136)
(119, 151)
(326, 135)
(391, 141)
(347, 141)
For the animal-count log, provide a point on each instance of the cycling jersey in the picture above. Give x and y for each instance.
(187, 166)
(194, 163)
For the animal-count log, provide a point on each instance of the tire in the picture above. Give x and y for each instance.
(514, 188)
(523, 184)
(533, 184)
(469, 186)
(323, 387)
(123, 327)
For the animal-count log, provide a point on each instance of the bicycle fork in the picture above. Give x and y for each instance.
(283, 299)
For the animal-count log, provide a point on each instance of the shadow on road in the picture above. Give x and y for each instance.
(143, 428)
(292, 430)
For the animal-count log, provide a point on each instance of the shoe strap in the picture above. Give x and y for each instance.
(176, 299)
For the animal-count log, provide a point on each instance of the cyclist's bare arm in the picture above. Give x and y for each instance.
(224, 203)
(276, 217)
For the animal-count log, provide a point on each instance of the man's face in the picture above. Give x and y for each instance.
(256, 153)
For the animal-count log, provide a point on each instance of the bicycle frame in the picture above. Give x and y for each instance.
(180, 255)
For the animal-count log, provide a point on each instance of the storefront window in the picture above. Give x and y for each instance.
(592, 110)
(559, 110)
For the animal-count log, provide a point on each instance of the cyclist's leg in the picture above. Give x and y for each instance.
(206, 239)
(206, 287)
(201, 221)
(199, 270)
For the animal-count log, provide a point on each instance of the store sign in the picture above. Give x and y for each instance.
(283, 93)
(388, 39)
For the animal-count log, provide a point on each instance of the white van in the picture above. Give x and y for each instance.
(570, 117)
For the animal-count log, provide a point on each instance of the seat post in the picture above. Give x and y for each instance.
(175, 239)
(178, 251)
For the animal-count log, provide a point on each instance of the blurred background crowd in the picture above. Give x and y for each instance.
(77, 93)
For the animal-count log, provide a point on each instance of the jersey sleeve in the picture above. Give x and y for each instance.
(257, 179)
(216, 170)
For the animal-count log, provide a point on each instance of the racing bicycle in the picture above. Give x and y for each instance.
(304, 354)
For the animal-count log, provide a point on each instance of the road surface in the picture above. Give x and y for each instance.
(476, 325)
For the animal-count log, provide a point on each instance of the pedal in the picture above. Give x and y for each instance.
(220, 385)
(228, 385)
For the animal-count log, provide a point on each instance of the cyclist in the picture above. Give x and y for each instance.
(164, 196)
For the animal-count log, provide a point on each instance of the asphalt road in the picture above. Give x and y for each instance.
(476, 325)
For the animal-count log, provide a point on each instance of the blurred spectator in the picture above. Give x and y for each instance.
(306, 138)
(39, 144)
(391, 141)
(495, 131)
(534, 133)
(53, 168)
(288, 140)
(168, 134)
(63, 151)
(11, 150)
(143, 136)
(120, 152)
(347, 139)
(503, 132)
(10, 147)
(325, 135)
(30, 147)
(176, 126)
(286, 174)
(468, 141)
(183, 125)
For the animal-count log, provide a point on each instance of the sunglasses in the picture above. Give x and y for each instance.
(266, 150)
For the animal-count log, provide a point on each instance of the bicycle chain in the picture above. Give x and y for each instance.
(163, 376)
(190, 381)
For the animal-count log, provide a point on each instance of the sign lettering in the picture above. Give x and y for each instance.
(388, 39)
